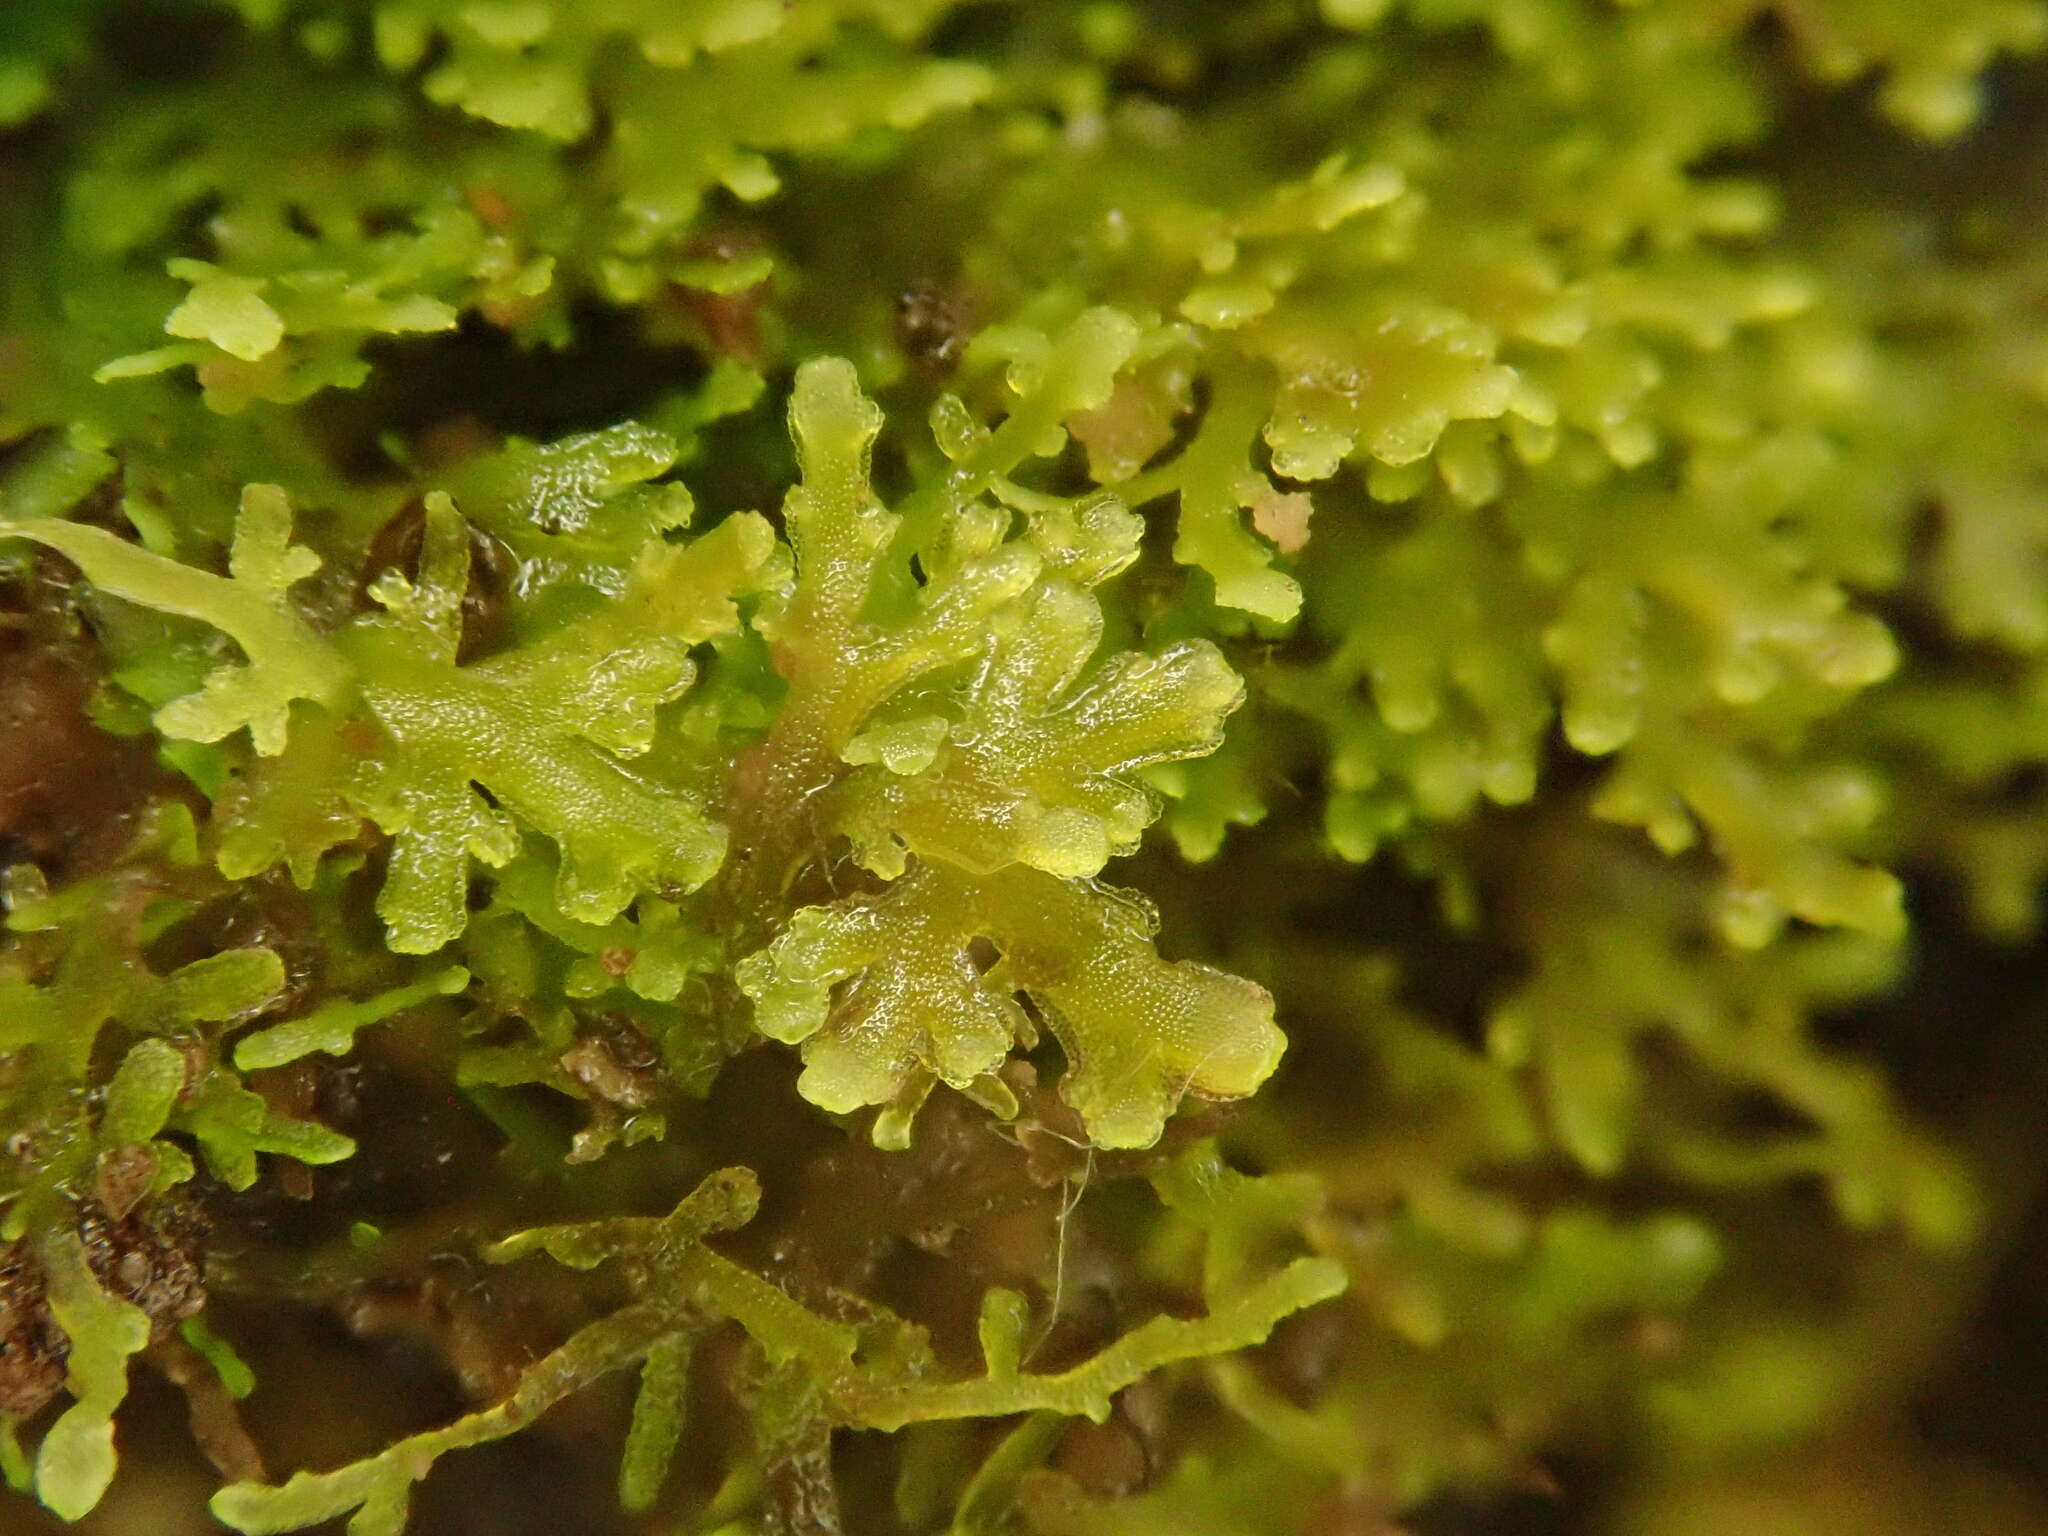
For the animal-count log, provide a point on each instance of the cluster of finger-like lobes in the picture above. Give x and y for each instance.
(1500, 407)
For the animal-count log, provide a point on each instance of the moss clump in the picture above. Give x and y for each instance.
(589, 594)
